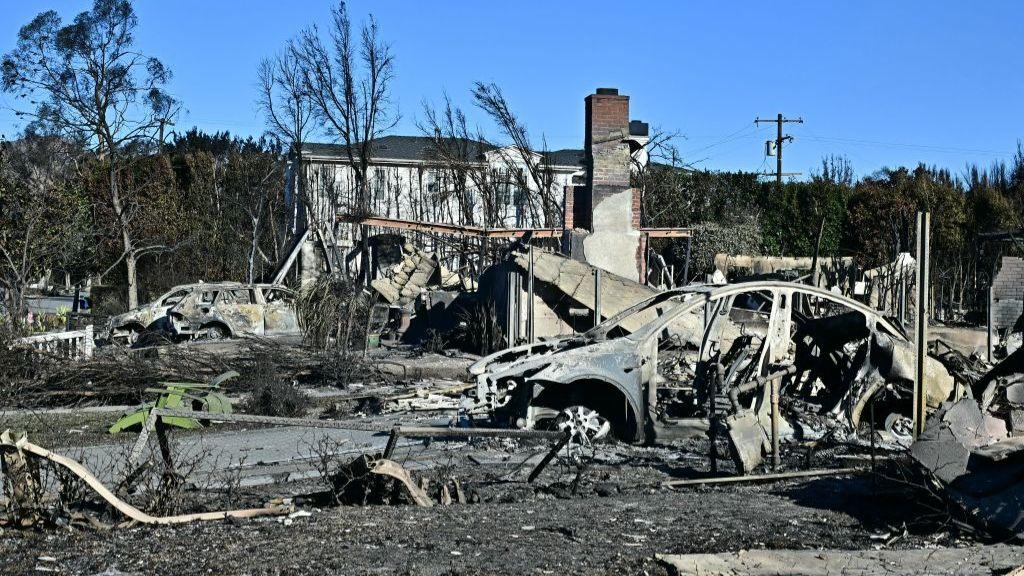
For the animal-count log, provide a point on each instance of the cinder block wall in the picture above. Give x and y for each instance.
(1008, 292)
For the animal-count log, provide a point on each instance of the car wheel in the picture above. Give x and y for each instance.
(584, 424)
(216, 332)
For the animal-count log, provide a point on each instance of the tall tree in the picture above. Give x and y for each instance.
(43, 216)
(348, 80)
(92, 85)
(287, 110)
(537, 179)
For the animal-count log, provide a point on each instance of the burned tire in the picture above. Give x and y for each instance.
(216, 332)
(149, 338)
(597, 396)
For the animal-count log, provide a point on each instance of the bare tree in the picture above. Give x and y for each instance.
(658, 165)
(286, 105)
(456, 150)
(459, 154)
(536, 180)
(95, 88)
(251, 185)
(349, 84)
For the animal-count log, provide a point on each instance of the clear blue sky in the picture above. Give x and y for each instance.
(885, 83)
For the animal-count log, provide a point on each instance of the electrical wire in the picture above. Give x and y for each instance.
(737, 135)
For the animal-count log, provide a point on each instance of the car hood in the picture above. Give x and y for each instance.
(137, 312)
(568, 351)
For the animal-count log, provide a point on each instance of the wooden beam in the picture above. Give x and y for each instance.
(667, 232)
(479, 231)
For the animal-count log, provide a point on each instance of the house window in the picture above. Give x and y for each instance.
(379, 185)
(521, 200)
(432, 182)
(506, 185)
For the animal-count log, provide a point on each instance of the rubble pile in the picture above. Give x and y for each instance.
(729, 387)
(973, 449)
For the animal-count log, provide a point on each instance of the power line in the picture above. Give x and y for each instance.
(731, 137)
(925, 147)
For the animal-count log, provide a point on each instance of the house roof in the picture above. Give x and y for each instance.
(421, 149)
(566, 157)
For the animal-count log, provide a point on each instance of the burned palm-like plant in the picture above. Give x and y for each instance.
(478, 330)
(333, 312)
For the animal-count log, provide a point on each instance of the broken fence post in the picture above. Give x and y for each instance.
(389, 449)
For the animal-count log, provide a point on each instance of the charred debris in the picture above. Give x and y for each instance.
(758, 379)
(425, 364)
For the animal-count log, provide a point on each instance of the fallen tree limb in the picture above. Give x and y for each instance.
(765, 477)
(125, 508)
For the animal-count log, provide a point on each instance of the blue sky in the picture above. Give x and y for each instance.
(885, 83)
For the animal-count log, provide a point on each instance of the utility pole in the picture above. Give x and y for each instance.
(779, 139)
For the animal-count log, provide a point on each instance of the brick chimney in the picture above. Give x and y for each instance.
(608, 207)
(607, 153)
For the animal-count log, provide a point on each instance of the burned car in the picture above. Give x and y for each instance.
(209, 310)
(687, 356)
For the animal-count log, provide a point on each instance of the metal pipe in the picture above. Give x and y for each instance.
(776, 457)
(765, 477)
(434, 432)
(989, 334)
(597, 296)
(735, 391)
(531, 332)
(921, 342)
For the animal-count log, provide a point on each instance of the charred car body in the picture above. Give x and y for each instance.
(209, 310)
(691, 355)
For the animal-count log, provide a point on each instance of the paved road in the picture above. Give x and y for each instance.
(264, 454)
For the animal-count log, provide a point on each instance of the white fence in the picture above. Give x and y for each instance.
(73, 344)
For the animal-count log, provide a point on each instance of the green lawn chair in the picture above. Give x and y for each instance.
(180, 395)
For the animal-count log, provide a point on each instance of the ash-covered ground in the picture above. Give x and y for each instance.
(606, 510)
(610, 515)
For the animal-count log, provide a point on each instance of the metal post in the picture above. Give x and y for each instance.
(597, 296)
(921, 342)
(990, 335)
(775, 423)
(902, 304)
(686, 265)
(531, 332)
(716, 387)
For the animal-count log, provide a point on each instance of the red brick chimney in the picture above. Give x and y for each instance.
(608, 207)
(607, 153)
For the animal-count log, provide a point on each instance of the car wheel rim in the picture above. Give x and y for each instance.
(583, 424)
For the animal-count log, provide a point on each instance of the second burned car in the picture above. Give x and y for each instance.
(210, 310)
(702, 357)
